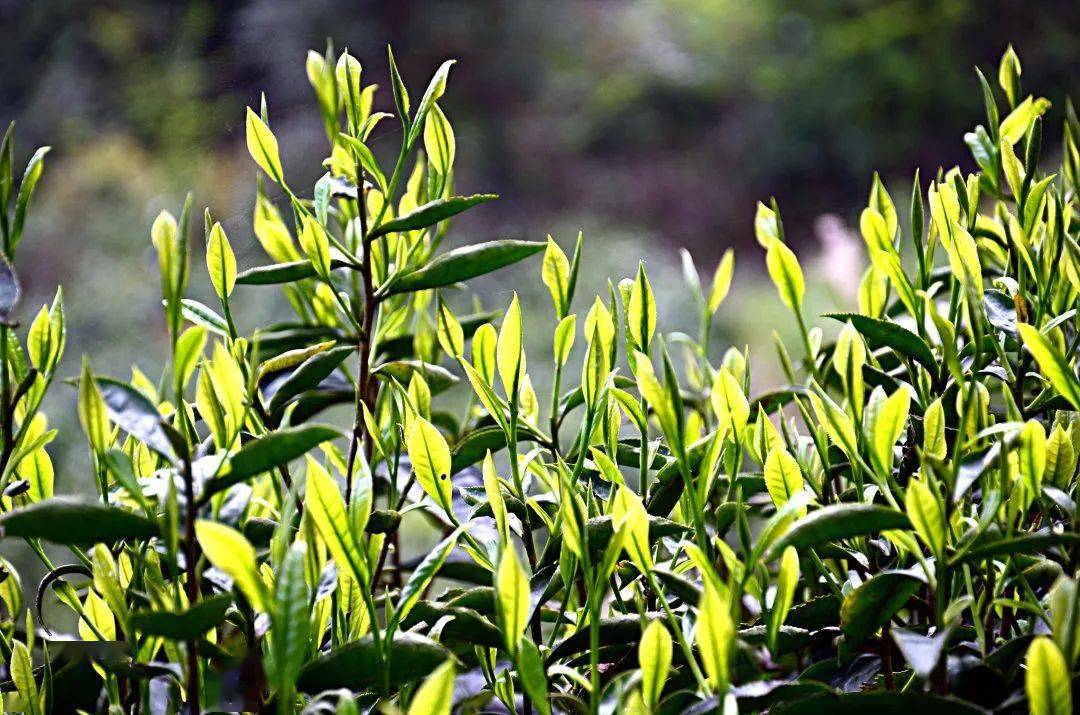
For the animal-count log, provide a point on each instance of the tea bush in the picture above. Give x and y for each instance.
(894, 529)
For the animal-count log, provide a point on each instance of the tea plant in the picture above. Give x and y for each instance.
(895, 528)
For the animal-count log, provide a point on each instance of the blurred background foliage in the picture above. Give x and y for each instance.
(649, 124)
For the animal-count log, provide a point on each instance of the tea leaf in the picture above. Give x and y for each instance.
(786, 274)
(1047, 680)
(358, 665)
(654, 657)
(464, 263)
(220, 262)
(435, 695)
(1052, 363)
(63, 520)
(839, 521)
(512, 587)
(228, 550)
(263, 146)
(871, 605)
(268, 452)
(430, 214)
(721, 282)
(190, 623)
(430, 459)
(886, 334)
(331, 519)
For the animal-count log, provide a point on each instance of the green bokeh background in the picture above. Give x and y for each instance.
(648, 124)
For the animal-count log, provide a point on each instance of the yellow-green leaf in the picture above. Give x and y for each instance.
(435, 696)
(430, 457)
(1047, 680)
(450, 334)
(92, 413)
(21, 669)
(766, 227)
(509, 354)
(1060, 458)
(228, 550)
(889, 424)
(927, 515)
(934, 430)
(1052, 363)
(729, 402)
(715, 633)
(641, 316)
(220, 262)
(837, 422)
(327, 511)
(512, 587)
(495, 498)
(721, 282)
(628, 509)
(787, 579)
(483, 351)
(565, 333)
(439, 141)
(783, 478)
(1031, 453)
(263, 146)
(654, 657)
(849, 356)
(786, 274)
(1015, 125)
(555, 273)
(316, 245)
(595, 368)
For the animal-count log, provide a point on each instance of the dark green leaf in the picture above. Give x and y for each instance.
(839, 521)
(430, 214)
(269, 451)
(887, 334)
(878, 703)
(438, 378)
(465, 263)
(873, 603)
(471, 448)
(309, 374)
(64, 520)
(464, 625)
(183, 625)
(616, 630)
(357, 665)
(283, 272)
(1027, 544)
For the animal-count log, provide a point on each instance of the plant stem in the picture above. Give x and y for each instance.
(191, 584)
(363, 398)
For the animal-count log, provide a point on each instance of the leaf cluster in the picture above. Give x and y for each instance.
(894, 528)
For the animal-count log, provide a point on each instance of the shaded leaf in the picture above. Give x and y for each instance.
(464, 263)
(430, 214)
(357, 665)
(63, 520)
(184, 625)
